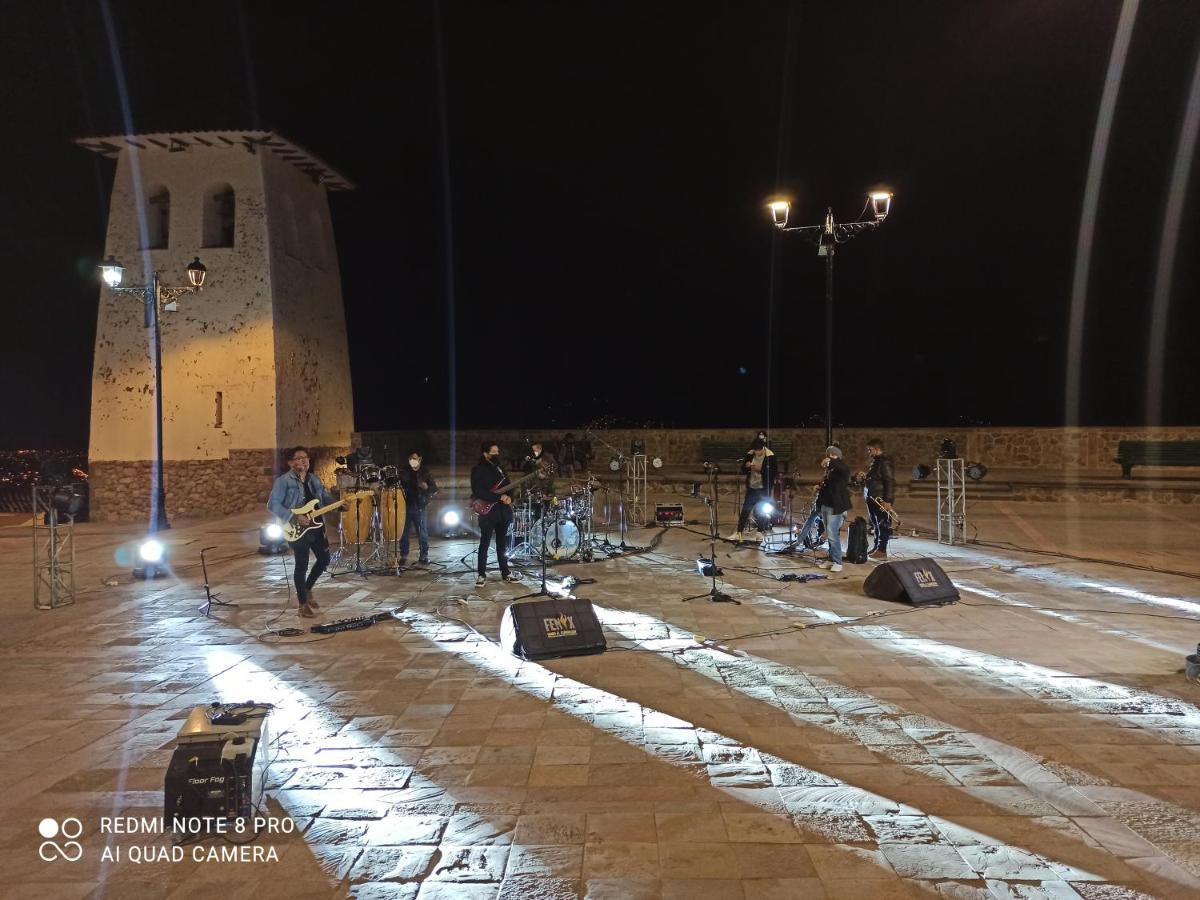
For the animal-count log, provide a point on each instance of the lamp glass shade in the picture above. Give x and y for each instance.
(779, 212)
(112, 272)
(196, 273)
(881, 204)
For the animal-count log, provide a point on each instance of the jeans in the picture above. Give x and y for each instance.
(415, 518)
(833, 532)
(882, 523)
(754, 496)
(497, 520)
(316, 542)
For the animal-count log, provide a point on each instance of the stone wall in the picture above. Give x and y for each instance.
(196, 488)
(1055, 449)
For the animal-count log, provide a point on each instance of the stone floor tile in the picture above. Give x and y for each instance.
(558, 861)
(621, 827)
(622, 889)
(620, 860)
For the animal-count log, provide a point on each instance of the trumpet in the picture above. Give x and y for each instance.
(893, 516)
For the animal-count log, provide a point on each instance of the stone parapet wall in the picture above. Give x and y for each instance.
(1055, 449)
(196, 488)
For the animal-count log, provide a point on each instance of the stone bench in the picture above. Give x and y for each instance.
(1156, 453)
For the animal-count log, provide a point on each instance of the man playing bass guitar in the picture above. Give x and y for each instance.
(487, 483)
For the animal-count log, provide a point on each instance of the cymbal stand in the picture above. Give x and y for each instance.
(212, 598)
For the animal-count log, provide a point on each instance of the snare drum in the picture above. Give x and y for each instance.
(390, 476)
(392, 511)
(559, 536)
(368, 473)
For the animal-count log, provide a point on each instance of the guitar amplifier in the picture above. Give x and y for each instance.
(668, 513)
(550, 627)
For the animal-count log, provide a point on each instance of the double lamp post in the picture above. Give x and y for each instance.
(827, 236)
(156, 297)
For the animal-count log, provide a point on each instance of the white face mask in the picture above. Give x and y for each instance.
(415, 463)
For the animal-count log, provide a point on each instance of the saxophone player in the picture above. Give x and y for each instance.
(880, 482)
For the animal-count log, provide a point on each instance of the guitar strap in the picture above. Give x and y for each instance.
(308, 492)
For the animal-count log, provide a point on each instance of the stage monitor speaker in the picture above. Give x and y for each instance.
(920, 582)
(550, 627)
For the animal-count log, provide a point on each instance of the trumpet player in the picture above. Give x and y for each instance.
(881, 494)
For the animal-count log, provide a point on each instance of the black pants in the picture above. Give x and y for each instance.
(497, 520)
(881, 522)
(316, 542)
(754, 496)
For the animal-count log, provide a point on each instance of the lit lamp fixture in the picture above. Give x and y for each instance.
(152, 559)
(827, 236)
(657, 462)
(615, 463)
(451, 522)
(270, 539)
(156, 297)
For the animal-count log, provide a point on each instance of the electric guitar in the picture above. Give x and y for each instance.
(293, 530)
(483, 507)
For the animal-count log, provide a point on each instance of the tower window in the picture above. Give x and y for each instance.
(158, 219)
(220, 207)
(220, 410)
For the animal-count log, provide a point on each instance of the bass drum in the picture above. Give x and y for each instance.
(356, 516)
(392, 511)
(559, 536)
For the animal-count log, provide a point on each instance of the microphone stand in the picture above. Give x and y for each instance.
(212, 598)
(713, 594)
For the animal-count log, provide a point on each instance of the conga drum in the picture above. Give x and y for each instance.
(356, 516)
(392, 511)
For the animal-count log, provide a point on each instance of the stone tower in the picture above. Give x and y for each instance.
(257, 360)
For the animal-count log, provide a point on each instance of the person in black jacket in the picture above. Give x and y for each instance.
(418, 484)
(834, 503)
(759, 465)
(486, 478)
(881, 494)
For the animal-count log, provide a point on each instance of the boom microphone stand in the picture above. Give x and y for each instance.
(714, 595)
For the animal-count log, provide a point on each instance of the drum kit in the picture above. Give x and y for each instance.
(372, 521)
(558, 527)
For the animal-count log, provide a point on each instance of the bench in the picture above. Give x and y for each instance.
(730, 452)
(1156, 453)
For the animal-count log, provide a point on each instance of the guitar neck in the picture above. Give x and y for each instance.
(325, 509)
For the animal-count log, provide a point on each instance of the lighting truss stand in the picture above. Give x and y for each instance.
(53, 553)
(637, 487)
(212, 598)
(951, 502)
(714, 595)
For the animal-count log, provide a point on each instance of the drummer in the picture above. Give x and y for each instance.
(419, 486)
(538, 459)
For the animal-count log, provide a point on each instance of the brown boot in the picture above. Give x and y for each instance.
(313, 604)
(877, 554)
(306, 611)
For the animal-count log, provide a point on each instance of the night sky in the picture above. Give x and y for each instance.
(606, 165)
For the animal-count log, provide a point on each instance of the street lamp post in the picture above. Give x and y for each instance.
(827, 236)
(156, 297)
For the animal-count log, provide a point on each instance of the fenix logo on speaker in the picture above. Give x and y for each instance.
(559, 626)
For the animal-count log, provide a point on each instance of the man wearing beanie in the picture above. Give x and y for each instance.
(834, 502)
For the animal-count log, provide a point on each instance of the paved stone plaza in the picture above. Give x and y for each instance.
(987, 749)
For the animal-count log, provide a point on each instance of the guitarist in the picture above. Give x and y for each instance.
(291, 490)
(486, 478)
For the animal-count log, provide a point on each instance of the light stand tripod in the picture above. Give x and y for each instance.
(714, 595)
(212, 598)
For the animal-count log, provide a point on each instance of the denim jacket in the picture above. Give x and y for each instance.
(288, 494)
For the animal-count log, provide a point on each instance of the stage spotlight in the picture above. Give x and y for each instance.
(949, 449)
(766, 508)
(615, 463)
(450, 522)
(151, 556)
(976, 471)
(657, 462)
(270, 539)
(921, 471)
(636, 446)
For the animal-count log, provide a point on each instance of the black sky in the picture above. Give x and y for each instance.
(606, 165)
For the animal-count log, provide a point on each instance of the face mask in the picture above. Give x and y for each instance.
(758, 443)
(492, 457)
(415, 463)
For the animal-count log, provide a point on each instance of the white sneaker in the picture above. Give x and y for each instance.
(836, 567)
(480, 581)
(736, 536)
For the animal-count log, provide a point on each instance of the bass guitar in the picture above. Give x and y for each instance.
(293, 530)
(483, 507)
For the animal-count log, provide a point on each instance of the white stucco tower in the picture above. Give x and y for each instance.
(256, 361)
